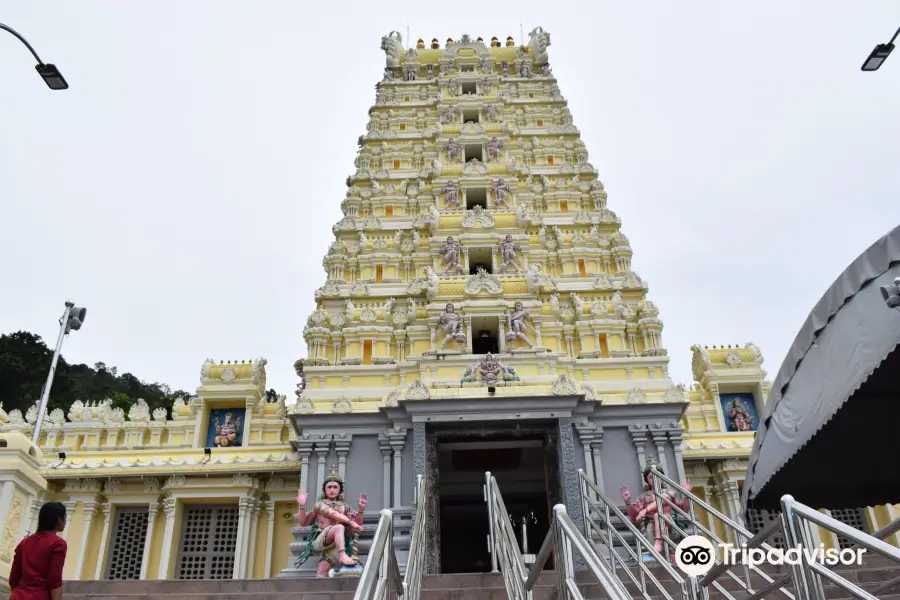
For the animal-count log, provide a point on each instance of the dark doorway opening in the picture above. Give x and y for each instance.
(517, 460)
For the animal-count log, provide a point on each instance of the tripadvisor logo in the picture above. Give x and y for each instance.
(695, 555)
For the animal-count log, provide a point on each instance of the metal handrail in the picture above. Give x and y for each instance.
(743, 537)
(605, 513)
(808, 575)
(503, 545)
(381, 571)
(561, 540)
(415, 565)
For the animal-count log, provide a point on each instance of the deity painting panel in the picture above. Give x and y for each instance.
(740, 412)
(226, 428)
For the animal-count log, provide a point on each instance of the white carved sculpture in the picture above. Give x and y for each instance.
(578, 303)
(392, 44)
(349, 311)
(454, 151)
(451, 254)
(452, 325)
(508, 251)
(431, 287)
(450, 192)
(501, 194)
(387, 308)
(493, 148)
(205, 367)
(139, 412)
(482, 281)
(517, 323)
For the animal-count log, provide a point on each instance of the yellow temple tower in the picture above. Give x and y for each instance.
(480, 312)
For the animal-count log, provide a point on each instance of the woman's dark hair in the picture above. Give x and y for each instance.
(51, 513)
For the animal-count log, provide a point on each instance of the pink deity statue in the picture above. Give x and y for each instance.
(643, 510)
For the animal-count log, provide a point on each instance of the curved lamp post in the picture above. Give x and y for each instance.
(49, 73)
(879, 54)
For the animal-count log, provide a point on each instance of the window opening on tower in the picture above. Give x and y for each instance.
(476, 197)
(474, 151)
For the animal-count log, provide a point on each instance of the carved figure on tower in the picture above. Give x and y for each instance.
(334, 533)
(501, 193)
(452, 325)
(451, 194)
(508, 250)
(504, 68)
(517, 323)
(493, 148)
(644, 512)
(449, 115)
(453, 87)
(454, 151)
(451, 252)
(491, 115)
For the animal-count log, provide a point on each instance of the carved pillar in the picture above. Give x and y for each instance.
(240, 551)
(419, 448)
(104, 542)
(659, 440)
(70, 510)
(152, 511)
(537, 335)
(586, 436)
(397, 439)
(304, 448)
(638, 435)
(270, 536)
(501, 343)
(169, 505)
(253, 526)
(384, 443)
(570, 483)
(322, 447)
(676, 435)
(468, 334)
(342, 444)
(596, 445)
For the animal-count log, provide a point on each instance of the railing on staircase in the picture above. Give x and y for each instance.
(380, 578)
(794, 525)
(606, 530)
(796, 521)
(563, 541)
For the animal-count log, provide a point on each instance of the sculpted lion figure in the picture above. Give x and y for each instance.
(392, 44)
(538, 42)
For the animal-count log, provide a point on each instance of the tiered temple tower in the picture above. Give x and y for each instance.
(472, 188)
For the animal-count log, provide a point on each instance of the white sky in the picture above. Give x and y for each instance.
(184, 188)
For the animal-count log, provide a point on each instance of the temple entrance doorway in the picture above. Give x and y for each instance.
(519, 460)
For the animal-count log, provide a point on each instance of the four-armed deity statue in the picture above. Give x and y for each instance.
(451, 194)
(334, 531)
(228, 432)
(739, 416)
(508, 250)
(451, 252)
(644, 510)
(452, 325)
(517, 322)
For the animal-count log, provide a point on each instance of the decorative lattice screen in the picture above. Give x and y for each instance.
(759, 519)
(126, 550)
(208, 540)
(852, 517)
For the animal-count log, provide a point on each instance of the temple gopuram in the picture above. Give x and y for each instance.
(479, 312)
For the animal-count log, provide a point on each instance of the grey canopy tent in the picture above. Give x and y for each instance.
(830, 431)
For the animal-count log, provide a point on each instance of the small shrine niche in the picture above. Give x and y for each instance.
(481, 258)
(485, 335)
(476, 197)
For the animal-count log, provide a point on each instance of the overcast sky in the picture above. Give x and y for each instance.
(184, 188)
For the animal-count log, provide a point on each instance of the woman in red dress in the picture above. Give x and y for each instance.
(37, 568)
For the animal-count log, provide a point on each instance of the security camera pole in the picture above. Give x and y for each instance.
(71, 320)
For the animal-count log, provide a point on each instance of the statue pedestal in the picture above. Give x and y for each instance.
(20, 483)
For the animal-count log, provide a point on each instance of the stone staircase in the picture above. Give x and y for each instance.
(489, 586)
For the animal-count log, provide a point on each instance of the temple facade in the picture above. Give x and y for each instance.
(479, 313)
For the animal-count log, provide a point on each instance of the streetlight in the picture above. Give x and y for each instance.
(70, 321)
(879, 54)
(49, 73)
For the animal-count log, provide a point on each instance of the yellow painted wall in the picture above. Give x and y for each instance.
(283, 537)
(75, 527)
(156, 545)
(88, 570)
(258, 568)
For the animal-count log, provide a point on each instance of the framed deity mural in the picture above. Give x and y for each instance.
(740, 412)
(226, 428)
